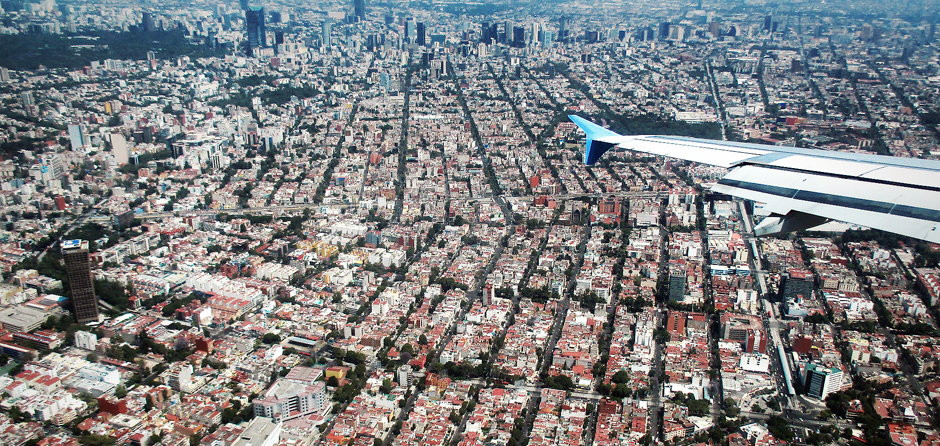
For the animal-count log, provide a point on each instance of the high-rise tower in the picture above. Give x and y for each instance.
(81, 281)
(146, 22)
(326, 30)
(422, 34)
(254, 21)
(410, 33)
(359, 10)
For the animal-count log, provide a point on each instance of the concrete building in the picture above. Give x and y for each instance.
(182, 378)
(296, 395)
(77, 136)
(22, 318)
(676, 284)
(119, 149)
(85, 340)
(746, 329)
(821, 381)
(797, 282)
(260, 432)
(78, 268)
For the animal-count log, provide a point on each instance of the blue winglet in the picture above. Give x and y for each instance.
(593, 149)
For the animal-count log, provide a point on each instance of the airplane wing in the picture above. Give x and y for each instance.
(803, 188)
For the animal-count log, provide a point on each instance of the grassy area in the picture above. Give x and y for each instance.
(5, 370)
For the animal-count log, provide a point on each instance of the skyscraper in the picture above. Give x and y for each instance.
(26, 98)
(81, 281)
(359, 10)
(422, 38)
(326, 30)
(146, 22)
(563, 30)
(254, 21)
(663, 31)
(518, 37)
(410, 30)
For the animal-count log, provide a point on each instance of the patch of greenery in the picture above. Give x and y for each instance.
(28, 51)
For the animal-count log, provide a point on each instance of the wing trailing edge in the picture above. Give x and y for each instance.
(803, 187)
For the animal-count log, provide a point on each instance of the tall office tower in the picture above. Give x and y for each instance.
(359, 10)
(4, 74)
(677, 283)
(535, 30)
(254, 21)
(546, 37)
(663, 31)
(820, 381)
(518, 37)
(715, 29)
(81, 281)
(767, 22)
(53, 164)
(422, 38)
(410, 30)
(26, 99)
(146, 22)
(326, 31)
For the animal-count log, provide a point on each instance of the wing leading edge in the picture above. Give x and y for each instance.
(803, 187)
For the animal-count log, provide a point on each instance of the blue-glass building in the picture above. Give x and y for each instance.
(254, 22)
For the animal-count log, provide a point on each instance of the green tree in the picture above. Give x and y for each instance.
(780, 428)
(731, 408)
(622, 376)
(560, 382)
(96, 440)
(621, 391)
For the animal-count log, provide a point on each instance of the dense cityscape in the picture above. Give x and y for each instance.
(369, 223)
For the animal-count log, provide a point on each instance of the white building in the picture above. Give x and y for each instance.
(260, 432)
(755, 362)
(297, 394)
(101, 372)
(119, 149)
(85, 340)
